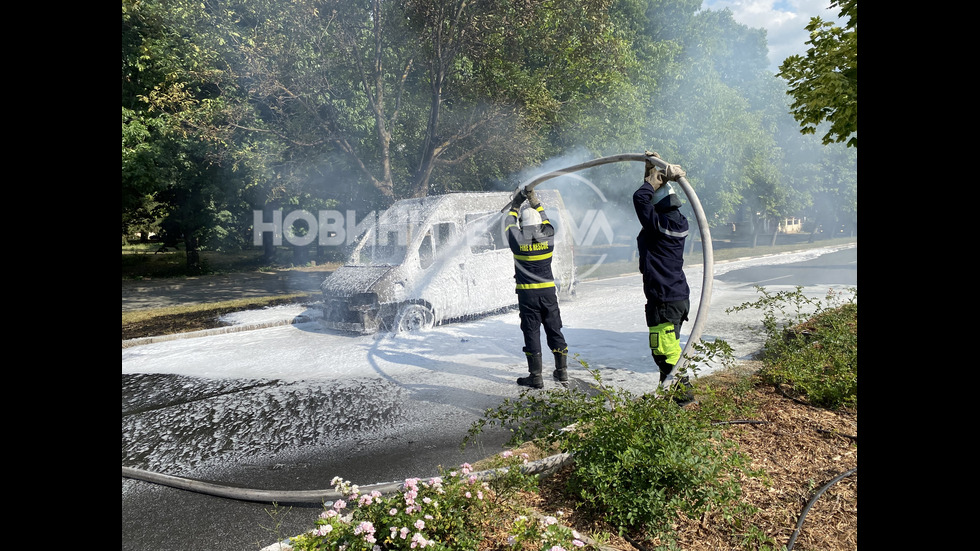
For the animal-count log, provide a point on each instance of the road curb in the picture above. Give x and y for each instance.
(216, 331)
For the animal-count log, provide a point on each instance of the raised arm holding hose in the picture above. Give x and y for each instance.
(660, 244)
(533, 243)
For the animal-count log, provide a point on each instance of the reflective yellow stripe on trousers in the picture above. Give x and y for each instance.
(535, 285)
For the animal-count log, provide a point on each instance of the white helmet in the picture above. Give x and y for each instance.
(530, 217)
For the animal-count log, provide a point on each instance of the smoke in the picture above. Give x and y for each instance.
(598, 200)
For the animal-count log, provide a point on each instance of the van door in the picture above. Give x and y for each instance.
(489, 271)
(440, 281)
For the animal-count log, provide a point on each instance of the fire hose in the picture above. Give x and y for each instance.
(708, 272)
(540, 467)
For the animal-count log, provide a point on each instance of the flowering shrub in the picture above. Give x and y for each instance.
(427, 514)
(544, 534)
(440, 514)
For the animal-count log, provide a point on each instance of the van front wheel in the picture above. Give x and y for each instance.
(414, 317)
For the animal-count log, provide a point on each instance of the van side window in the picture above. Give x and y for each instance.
(438, 238)
(483, 232)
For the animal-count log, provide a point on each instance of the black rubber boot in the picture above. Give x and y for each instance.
(533, 380)
(561, 369)
(688, 393)
(665, 368)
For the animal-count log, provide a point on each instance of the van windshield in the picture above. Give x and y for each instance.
(381, 246)
(386, 243)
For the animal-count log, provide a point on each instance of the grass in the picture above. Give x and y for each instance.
(153, 322)
(138, 316)
(144, 261)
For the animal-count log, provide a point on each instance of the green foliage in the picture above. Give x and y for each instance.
(232, 105)
(184, 160)
(824, 83)
(640, 460)
(811, 344)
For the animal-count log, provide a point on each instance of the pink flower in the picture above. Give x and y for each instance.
(365, 527)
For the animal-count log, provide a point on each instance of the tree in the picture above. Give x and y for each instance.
(418, 95)
(178, 151)
(824, 83)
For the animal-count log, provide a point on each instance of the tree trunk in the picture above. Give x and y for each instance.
(813, 234)
(194, 266)
(268, 239)
(301, 255)
(424, 172)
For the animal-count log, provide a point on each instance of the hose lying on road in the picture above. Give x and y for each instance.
(541, 467)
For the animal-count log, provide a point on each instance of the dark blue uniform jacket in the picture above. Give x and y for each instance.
(533, 249)
(660, 244)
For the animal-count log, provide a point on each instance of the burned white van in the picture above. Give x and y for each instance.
(434, 260)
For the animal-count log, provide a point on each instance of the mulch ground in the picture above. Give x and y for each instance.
(801, 449)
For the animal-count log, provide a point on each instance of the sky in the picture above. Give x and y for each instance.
(785, 22)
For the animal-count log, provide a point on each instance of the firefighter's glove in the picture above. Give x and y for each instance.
(532, 199)
(518, 201)
(675, 172)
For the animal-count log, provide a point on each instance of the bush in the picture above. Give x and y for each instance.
(639, 461)
(434, 514)
(811, 345)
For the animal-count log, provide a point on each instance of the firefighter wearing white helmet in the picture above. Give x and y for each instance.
(533, 243)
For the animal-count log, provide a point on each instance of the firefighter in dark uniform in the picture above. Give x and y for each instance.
(661, 250)
(533, 244)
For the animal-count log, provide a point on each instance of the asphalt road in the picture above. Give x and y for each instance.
(214, 423)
